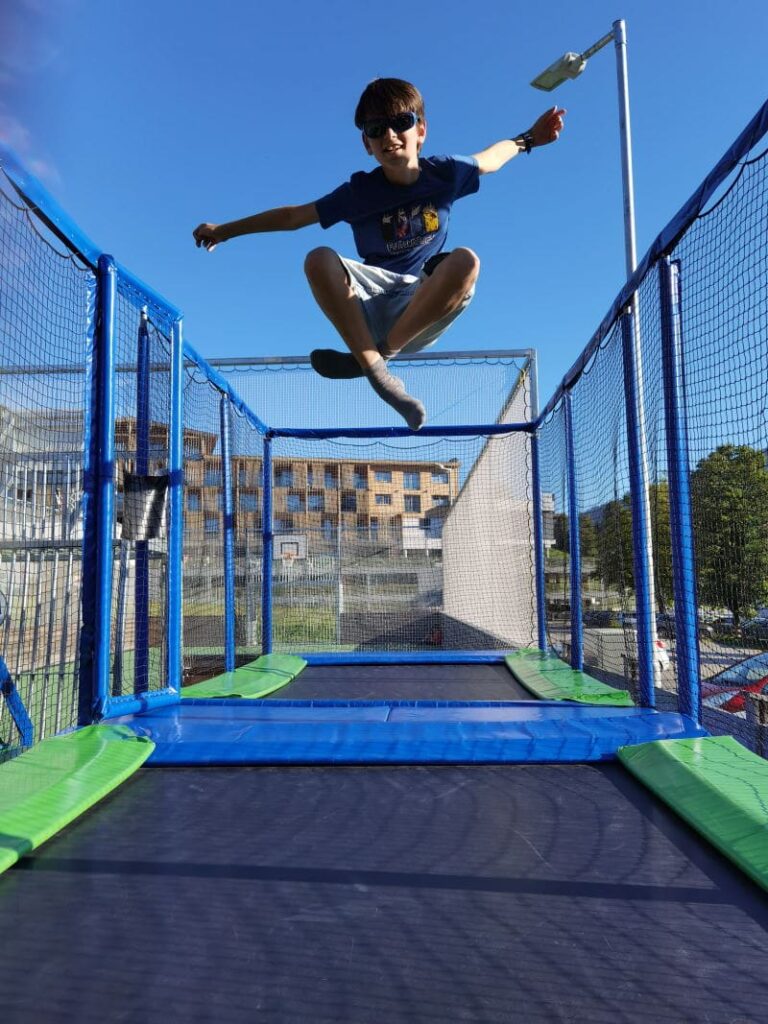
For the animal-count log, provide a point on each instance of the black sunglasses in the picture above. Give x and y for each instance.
(375, 128)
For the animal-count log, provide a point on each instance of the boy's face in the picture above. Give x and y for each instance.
(395, 149)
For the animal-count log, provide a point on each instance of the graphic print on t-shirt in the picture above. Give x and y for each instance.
(404, 228)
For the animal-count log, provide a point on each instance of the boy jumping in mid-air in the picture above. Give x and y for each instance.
(407, 290)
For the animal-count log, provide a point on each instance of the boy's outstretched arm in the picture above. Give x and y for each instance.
(284, 218)
(545, 130)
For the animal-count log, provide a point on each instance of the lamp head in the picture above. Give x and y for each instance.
(570, 65)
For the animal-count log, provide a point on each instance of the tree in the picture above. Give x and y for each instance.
(614, 544)
(587, 535)
(729, 492)
(658, 495)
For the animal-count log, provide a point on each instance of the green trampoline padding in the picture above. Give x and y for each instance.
(550, 678)
(49, 785)
(718, 786)
(256, 679)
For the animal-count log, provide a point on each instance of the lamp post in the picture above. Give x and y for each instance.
(570, 66)
(566, 68)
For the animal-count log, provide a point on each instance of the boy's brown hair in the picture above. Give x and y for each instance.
(385, 97)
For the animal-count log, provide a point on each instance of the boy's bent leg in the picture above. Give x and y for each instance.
(336, 297)
(443, 292)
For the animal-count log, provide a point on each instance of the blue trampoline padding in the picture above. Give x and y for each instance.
(249, 733)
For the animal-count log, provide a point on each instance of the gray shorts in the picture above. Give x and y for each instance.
(384, 296)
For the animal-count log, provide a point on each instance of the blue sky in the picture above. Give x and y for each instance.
(144, 119)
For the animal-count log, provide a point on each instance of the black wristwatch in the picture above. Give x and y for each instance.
(527, 140)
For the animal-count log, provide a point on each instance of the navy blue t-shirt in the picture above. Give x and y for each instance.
(399, 227)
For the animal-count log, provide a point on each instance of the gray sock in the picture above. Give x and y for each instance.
(336, 365)
(392, 390)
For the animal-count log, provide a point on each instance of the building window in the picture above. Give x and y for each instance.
(284, 476)
(439, 500)
(249, 501)
(327, 528)
(211, 524)
(310, 476)
(220, 501)
(212, 477)
(348, 501)
(283, 524)
(193, 501)
(439, 477)
(411, 481)
(294, 502)
(374, 528)
(383, 499)
(383, 476)
(431, 526)
(331, 475)
(412, 503)
(361, 478)
(316, 501)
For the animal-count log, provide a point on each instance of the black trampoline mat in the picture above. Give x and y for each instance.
(404, 682)
(536, 894)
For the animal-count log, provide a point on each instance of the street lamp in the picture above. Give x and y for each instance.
(570, 66)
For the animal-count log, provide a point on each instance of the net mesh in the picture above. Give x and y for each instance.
(142, 425)
(45, 313)
(407, 544)
(724, 269)
(456, 390)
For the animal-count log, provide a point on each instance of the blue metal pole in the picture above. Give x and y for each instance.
(538, 514)
(89, 596)
(574, 539)
(105, 480)
(267, 535)
(141, 596)
(175, 510)
(641, 524)
(680, 510)
(228, 537)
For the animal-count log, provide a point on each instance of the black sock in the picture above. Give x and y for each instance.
(336, 365)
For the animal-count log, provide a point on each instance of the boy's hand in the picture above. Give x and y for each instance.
(208, 236)
(548, 127)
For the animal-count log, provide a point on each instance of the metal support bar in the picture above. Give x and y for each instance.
(641, 523)
(329, 433)
(175, 511)
(85, 659)
(680, 510)
(105, 479)
(267, 535)
(141, 581)
(228, 538)
(625, 131)
(574, 539)
(538, 517)
(16, 708)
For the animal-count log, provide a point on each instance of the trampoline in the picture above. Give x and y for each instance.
(491, 893)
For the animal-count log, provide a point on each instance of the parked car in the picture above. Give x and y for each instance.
(666, 626)
(728, 690)
(755, 630)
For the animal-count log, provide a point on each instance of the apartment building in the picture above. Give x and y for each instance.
(390, 502)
